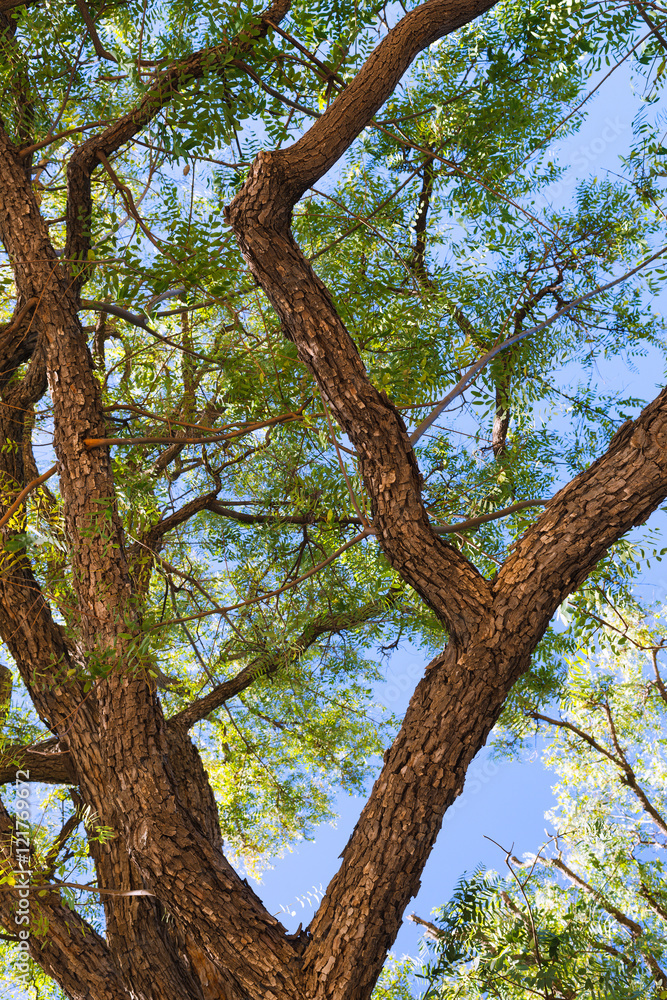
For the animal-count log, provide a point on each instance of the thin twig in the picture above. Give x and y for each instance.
(213, 439)
(25, 492)
(474, 370)
(53, 137)
(53, 887)
(273, 593)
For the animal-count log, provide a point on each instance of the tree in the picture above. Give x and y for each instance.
(585, 915)
(240, 508)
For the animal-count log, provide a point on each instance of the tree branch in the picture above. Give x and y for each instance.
(474, 370)
(225, 509)
(618, 491)
(72, 952)
(92, 31)
(619, 760)
(114, 310)
(183, 440)
(169, 82)
(353, 109)
(269, 663)
(17, 340)
(25, 492)
(631, 925)
(636, 930)
(11, 4)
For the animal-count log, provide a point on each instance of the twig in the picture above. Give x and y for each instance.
(432, 930)
(128, 198)
(13, 324)
(362, 519)
(24, 493)
(52, 887)
(474, 522)
(273, 593)
(92, 31)
(213, 439)
(107, 307)
(463, 383)
(331, 74)
(53, 137)
(240, 64)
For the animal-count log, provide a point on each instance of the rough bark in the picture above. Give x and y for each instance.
(118, 745)
(43, 761)
(494, 630)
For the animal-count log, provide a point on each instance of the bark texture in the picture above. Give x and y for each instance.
(203, 934)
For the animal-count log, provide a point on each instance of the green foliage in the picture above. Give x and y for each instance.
(585, 916)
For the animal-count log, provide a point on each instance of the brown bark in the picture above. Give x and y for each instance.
(260, 217)
(43, 761)
(204, 934)
(124, 793)
(419, 259)
(72, 952)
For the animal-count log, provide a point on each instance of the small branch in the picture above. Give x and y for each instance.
(38, 887)
(474, 370)
(659, 683)
(635, 929)
(269, 663)
(431, 930)
(225, 509)
(167, 566)
(92, 31)
(161, 418)
(474, 522)
(330, 74)
(341, 464)
(11, 4)
(42, 761)
(17, 320)
(272, 593)
(25, 492)
(658, 973)
(53, 137)
(142, 322)
(54, 850)
(240, 64)
(113, 310)
(131, 208)
(645, 892)
(654, 28)
(154, 534)
(213, 439)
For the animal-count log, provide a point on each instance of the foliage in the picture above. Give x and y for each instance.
(584, 916)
